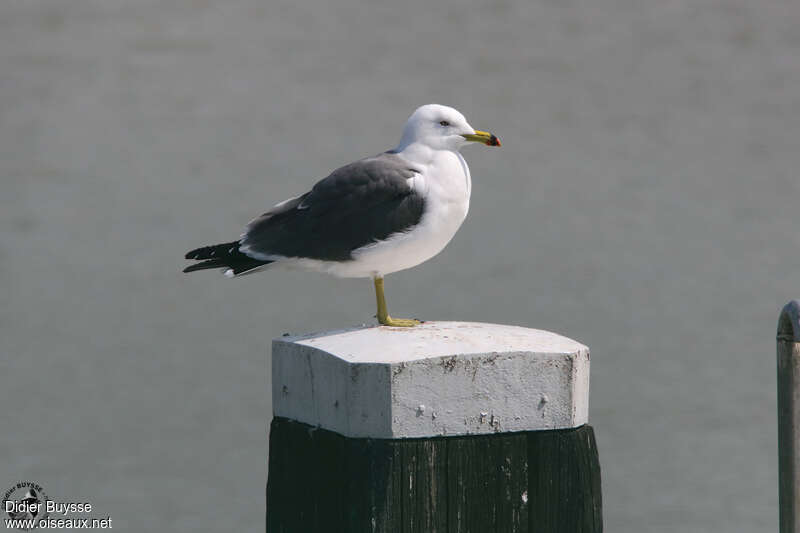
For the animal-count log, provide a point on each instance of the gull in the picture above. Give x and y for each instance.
(370, 218)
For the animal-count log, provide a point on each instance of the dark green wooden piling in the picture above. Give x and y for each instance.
(448, 427)
(788, 354)
(533, 481)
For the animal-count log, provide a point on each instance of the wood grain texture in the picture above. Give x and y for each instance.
(788, 355)
(536, 481)
(788, 371)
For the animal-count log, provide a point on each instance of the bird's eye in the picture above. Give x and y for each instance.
(444, 123)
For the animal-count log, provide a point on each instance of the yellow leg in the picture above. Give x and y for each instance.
(383, 312)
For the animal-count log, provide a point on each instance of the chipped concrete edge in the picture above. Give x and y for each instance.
(456, 394)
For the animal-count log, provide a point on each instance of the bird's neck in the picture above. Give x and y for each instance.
(416, 152)
(450, 174)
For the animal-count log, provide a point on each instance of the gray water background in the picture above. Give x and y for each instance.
(644, 202)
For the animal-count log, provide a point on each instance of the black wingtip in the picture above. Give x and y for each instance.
(215, 251)
(205, 265)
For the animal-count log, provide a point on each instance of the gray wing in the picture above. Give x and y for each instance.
(358, 204)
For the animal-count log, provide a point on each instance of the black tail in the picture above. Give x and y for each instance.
(225, 255)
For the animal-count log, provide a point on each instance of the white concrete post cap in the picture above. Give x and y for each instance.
(440, 378)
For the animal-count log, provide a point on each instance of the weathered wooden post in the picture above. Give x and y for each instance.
(445, 427)
(788, 344)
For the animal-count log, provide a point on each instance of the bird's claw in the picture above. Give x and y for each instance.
(400, 322)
